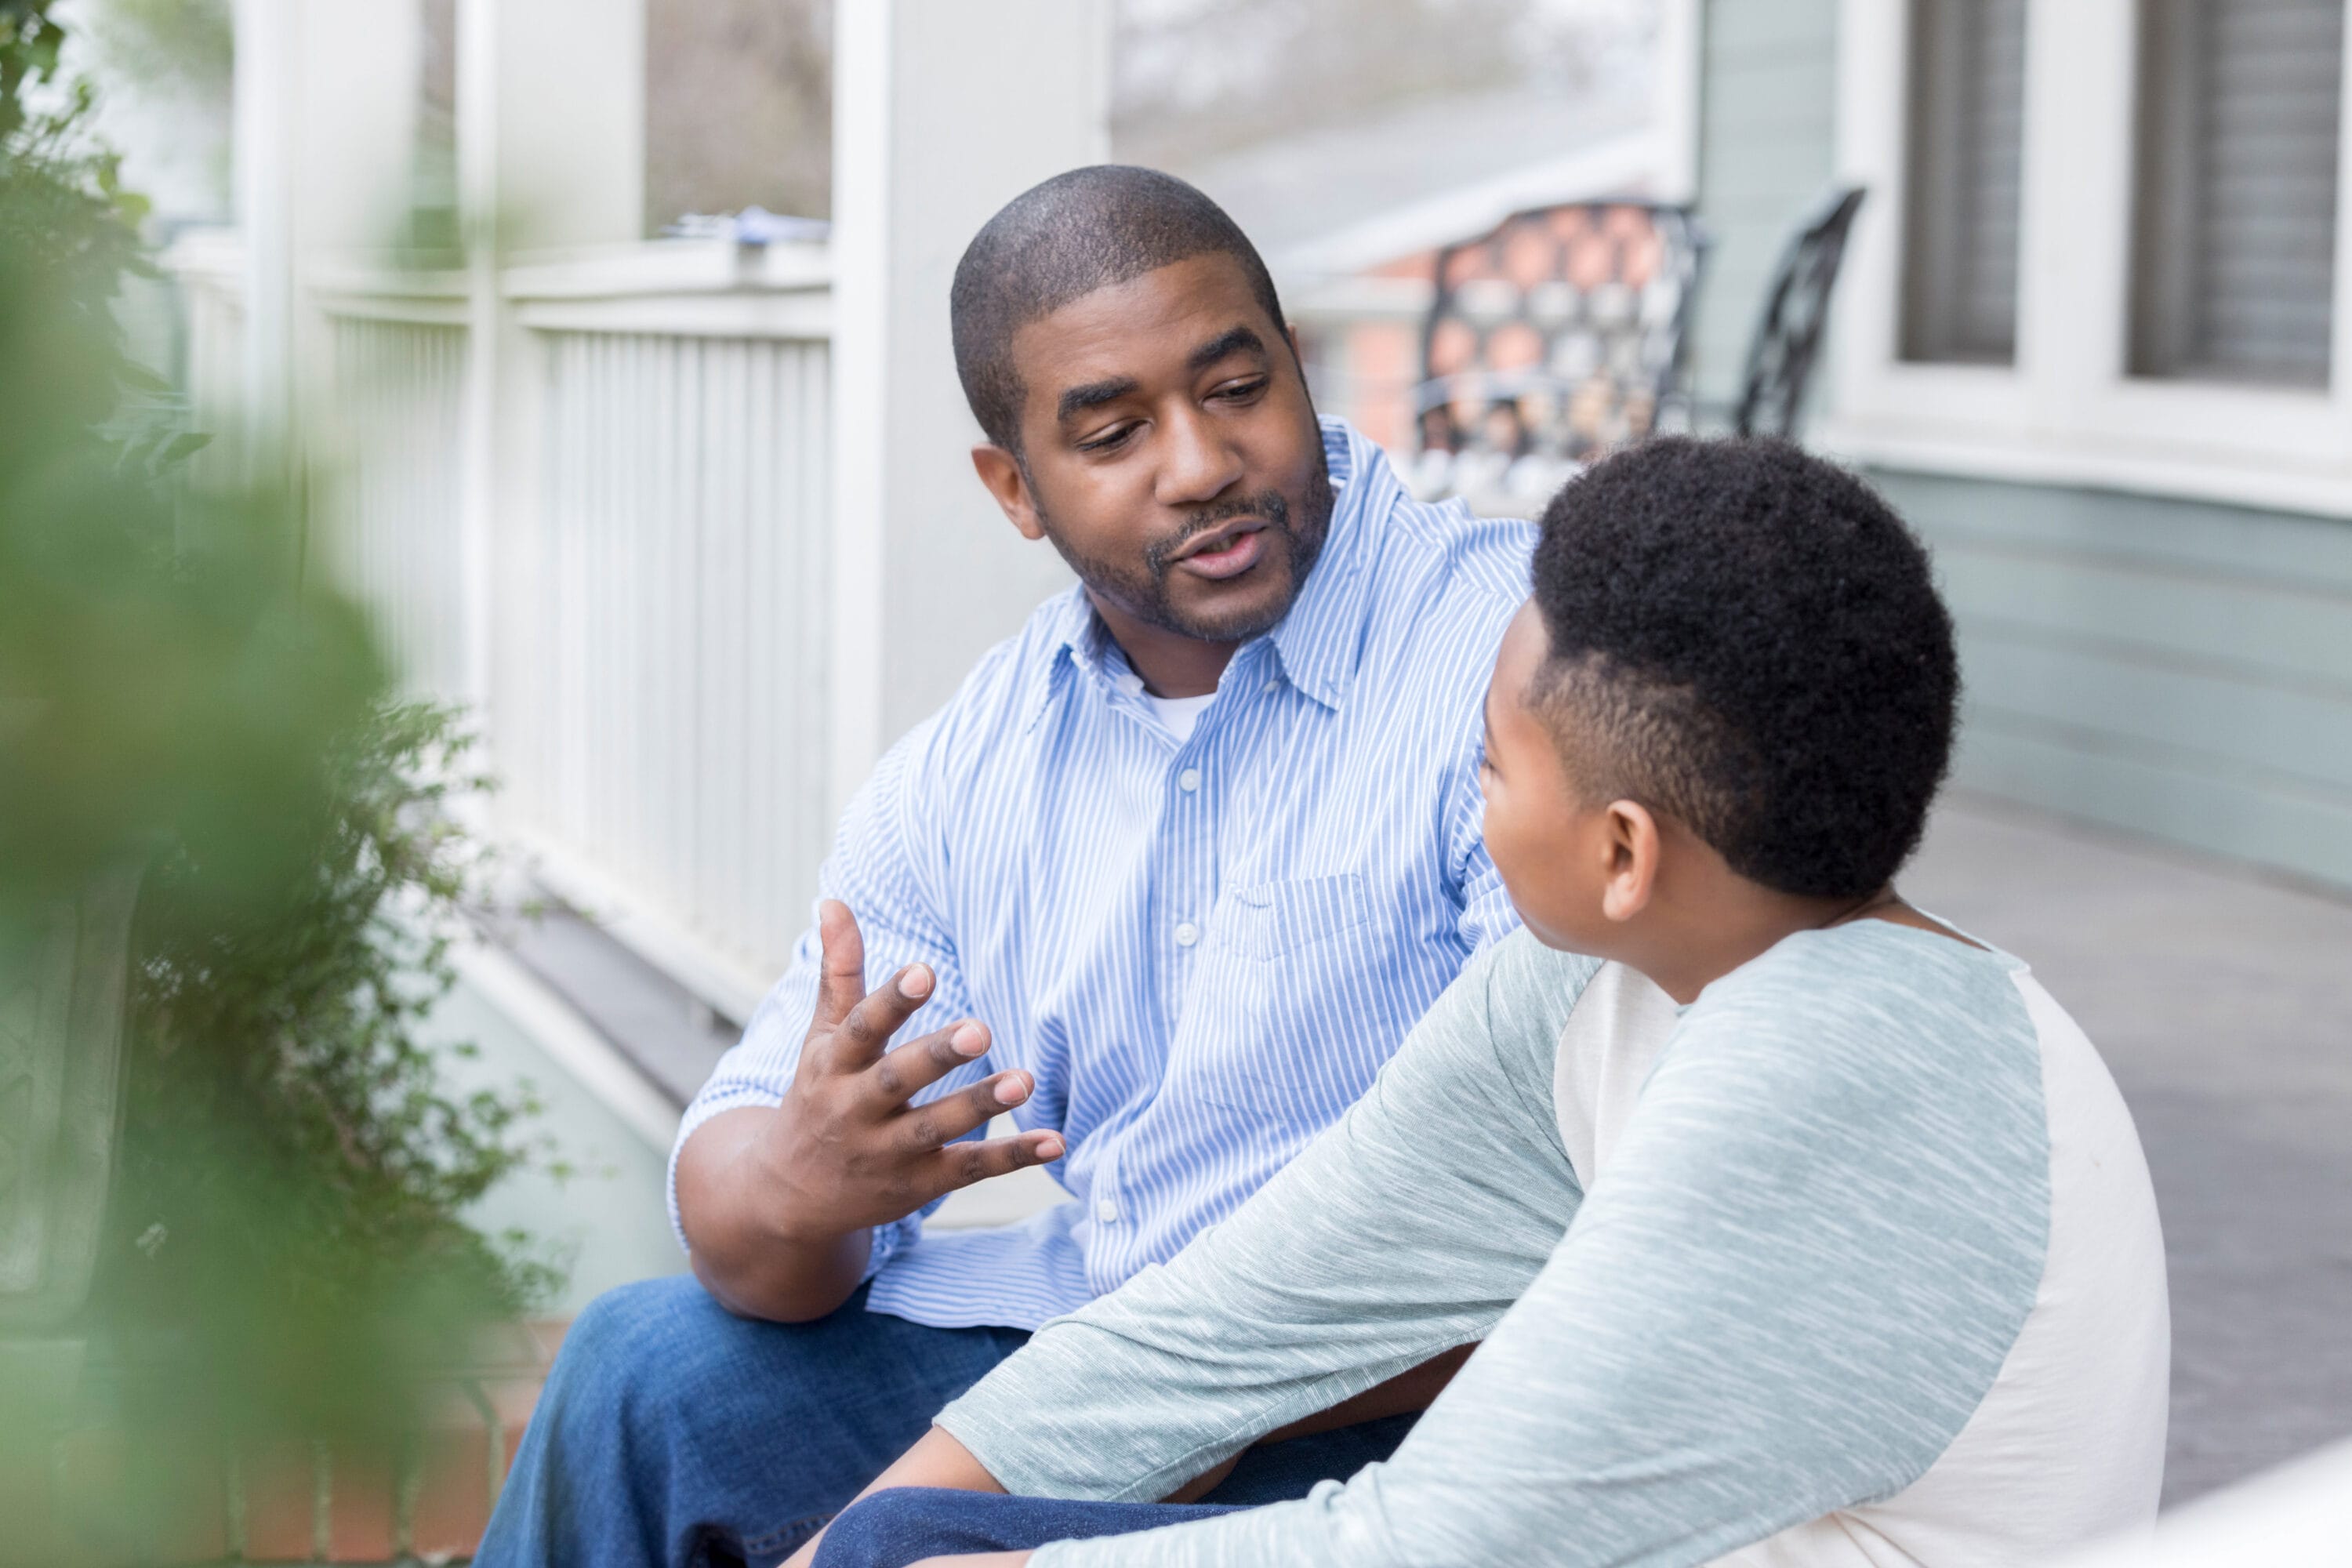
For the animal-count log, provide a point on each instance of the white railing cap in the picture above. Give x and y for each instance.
(667, 267)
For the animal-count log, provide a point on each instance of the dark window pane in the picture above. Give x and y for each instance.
(2233, 264)
(1963, 159)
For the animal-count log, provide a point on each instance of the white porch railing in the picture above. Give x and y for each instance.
(391, 461)
(656, 484)
(662, 616)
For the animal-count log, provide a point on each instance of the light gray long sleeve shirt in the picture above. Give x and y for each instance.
(1855, 1261)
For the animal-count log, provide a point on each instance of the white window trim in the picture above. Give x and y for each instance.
(1675, 106)
(2065, 413)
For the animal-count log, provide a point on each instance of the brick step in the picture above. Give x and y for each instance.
(291, 1501)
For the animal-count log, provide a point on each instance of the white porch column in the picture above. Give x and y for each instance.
(266, 110)
(551, 153)
(557, 91)
(326, 123)
(943, 111)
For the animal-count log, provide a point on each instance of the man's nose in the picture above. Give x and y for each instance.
(1197, 463)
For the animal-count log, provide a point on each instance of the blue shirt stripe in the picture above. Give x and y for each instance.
(1203, 952)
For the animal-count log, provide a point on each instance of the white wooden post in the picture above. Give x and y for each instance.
(551, 152)
(325, 131)
(943, 111)
(263, 151)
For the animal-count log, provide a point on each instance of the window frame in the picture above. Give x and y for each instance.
(2065, 411)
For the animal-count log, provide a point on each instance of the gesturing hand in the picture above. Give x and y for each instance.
(851, 1148)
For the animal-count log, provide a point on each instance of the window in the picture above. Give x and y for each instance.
(2234, 234)
(1962, 155)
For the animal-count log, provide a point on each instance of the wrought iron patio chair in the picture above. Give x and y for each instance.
(1551, 340)
(1796, 309)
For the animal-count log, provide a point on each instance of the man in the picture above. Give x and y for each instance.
(1167, 880)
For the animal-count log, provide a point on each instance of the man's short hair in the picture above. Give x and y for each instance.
(1061, 240)
(1748, 639)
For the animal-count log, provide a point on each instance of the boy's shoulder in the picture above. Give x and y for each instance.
(1525, 992)
(1874, 1024)
(1873, 970)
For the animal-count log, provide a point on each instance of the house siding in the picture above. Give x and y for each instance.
(2170, 667)
(2167, 667)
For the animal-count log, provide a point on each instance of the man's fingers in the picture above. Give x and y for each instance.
(961, 1164)
(949, 1117)
(893, 1081)
(862, 1036)
(841, 979)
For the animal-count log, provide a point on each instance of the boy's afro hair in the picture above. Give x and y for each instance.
(1749, 639)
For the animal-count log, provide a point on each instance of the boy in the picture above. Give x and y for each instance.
(1854, 1261)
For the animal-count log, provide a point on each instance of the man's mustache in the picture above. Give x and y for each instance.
(1268, 505)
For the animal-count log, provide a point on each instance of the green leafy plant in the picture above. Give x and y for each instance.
(293, 1169)
(178, 693)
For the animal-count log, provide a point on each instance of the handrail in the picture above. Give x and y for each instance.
(684, 287)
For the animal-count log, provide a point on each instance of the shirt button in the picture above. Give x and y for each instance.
(1188, 780)
(1105, 1211)
(1271, 683)
(1187, 933)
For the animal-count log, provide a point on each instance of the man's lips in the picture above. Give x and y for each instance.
(1224, 552)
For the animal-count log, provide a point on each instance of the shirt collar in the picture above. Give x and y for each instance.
(1318, 641)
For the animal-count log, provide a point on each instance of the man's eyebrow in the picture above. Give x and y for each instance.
(1232, 340)
(1093, 395)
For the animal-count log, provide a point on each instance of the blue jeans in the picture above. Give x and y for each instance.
(892, 1528)
(673, 1433)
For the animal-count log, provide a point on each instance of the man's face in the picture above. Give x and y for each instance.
(1170, 451)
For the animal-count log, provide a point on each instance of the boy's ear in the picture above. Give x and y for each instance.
(1000, 470)
(1633, 848)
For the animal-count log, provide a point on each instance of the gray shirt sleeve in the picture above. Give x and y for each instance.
(1819, 1233)
(1407, 1229)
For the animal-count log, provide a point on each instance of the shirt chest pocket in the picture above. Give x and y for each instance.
(1273, 921)
(1279, 1030)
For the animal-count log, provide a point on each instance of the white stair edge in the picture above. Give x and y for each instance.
(569, 1040)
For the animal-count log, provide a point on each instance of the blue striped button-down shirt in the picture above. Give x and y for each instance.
(1205, 951)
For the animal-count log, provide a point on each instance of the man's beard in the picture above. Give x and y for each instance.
(1144, 594)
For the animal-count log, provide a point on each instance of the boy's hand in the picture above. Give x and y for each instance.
(847, 1150)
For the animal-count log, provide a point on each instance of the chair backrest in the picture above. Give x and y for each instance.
(1796, 310)
(1560, 334)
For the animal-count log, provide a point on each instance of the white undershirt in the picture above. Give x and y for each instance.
(1180, 714)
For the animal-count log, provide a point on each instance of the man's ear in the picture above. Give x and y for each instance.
(1632, 848)
(1000, 470)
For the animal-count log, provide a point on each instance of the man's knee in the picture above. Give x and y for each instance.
(662, 1338)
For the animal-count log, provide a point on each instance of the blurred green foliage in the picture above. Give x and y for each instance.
(286, 1249)
(293, 1169)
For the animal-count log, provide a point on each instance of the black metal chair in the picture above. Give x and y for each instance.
(1796, 309)
(1553, 340)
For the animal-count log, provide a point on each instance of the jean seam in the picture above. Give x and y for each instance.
(791, 1534)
